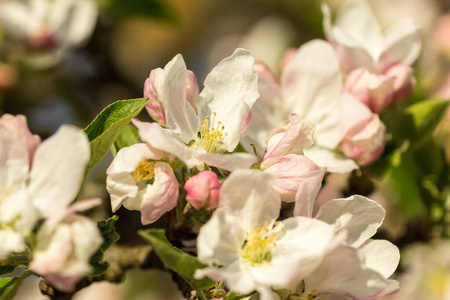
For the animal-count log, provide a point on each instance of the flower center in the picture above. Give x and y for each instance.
(144, 171)
(211, 135)
(436, 283)
(259, 243)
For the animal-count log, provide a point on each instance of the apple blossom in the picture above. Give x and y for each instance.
(48, 26)
(252, 249)
(65, 244)
(141, 178)
(203, 190)
(284, 158)
(378, 65)
(310, 86)
(426, 273)
(52, 183)
(360, 266)
(201, 128)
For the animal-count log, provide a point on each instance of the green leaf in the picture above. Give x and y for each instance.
(105, 128)
(141, 8)
(182, 263)
(110, 236)
(9, 286)
(427, 114)
(127, 137)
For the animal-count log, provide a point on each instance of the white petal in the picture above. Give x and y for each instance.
(13, 161)
(356, 217)
(128, 158)
(220, 239)
(342, 272)
(180, 115)
(164, 140)
(352, 54)
(381, 256)
(248, 194)
(230, 90)
(58, 169)
(73, 20)
(311, 86)
(16, 19)
(358, 22)
(307, 193)
(229, 162)
(10, 241)
(402, 44)
(330, 160)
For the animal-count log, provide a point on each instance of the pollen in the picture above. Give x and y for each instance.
(144, 171)
(211, 134)
(258, 246)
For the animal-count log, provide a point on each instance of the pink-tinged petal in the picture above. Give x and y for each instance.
(293, 137)
(352, 54)
(14, 163)
(203, 190)
(356, 218)
(230, 91)
(249, 195)
(403, 80)
(153, 90)
(121, 186)
(161, 196)
(365, 141)
(18, 126)
(229, 161)
(288, 55)
(192, 90)
(381, 256)
(402, 44)
(374, 91)
(343, 272)
(357, 21)
(58, 169)
(180, 115)
(164, 140)
(311, 87)
(307, 193)
(352, 112)
(289, 171)
(441, 35)
(331, 161)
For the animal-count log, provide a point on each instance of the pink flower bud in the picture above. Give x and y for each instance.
(403, 81)
(154, 91)
(288, 55)
(365, 141)
(373, 90)
(203, 190)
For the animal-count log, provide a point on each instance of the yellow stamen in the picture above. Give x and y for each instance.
(210, 135)
(144, 171)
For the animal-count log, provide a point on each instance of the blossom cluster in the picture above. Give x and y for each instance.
(237, 165)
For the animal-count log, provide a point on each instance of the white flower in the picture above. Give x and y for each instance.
(52, 183)
(427, 272)
(65, 244)
(310, 86)
(202, 128)
(253, 250)
(141, 178)
(360, 266)
(48, 26)
(359, 42)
